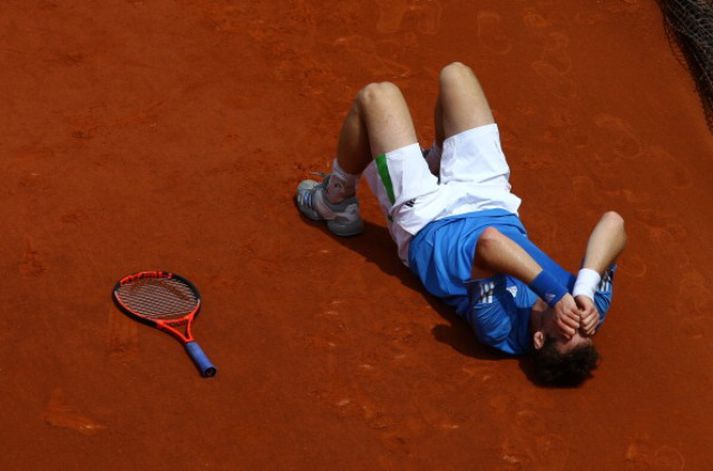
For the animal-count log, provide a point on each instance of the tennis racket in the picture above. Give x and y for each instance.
(168, 302)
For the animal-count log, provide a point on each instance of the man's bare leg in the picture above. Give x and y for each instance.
(353, 152)
(461, 105)
(378, 122)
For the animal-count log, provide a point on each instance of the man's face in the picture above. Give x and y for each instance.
(564, 345)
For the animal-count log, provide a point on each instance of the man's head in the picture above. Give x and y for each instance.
(559, 361)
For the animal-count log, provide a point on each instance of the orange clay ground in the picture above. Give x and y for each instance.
(172, 134)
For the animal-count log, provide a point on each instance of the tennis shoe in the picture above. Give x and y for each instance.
(325, 201)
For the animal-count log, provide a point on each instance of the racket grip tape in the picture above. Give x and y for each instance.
(206, 368)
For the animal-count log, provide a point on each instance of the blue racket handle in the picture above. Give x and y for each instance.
(206, 368)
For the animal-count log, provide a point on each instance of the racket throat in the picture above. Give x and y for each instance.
(182, 328)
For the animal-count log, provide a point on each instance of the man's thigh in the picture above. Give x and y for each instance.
(387, 118)
(462, 100)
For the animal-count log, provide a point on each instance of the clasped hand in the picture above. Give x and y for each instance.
(572, 314)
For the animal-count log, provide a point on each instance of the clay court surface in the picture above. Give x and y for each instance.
(171, 134)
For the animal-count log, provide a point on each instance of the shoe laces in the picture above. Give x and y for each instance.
(307, 197)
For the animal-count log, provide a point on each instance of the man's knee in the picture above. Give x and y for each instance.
(378, 93)
(455, 73)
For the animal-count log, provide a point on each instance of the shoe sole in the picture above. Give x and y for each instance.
(342, 231)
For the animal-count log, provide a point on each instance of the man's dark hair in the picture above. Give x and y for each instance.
(554, 368)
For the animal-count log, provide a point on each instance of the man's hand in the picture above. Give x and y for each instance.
(589, 313)
(567, 316)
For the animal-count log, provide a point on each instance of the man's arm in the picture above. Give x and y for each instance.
(606, 242)
(497, 253)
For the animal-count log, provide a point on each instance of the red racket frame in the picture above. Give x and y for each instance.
(164, 325)
(205, 366)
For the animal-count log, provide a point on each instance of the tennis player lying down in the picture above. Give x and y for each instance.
(456, 226)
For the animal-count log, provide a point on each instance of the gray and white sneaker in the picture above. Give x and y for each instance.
(342, 217)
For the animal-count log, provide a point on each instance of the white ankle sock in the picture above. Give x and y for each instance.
(341, 184)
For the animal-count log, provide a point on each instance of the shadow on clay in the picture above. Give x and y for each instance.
(377, 247)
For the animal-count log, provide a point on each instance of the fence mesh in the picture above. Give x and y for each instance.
(689, 24)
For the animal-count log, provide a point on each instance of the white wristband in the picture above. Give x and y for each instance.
(586, 284)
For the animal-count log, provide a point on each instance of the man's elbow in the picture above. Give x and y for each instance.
(613, 218)
(615, 224)
(489, 241)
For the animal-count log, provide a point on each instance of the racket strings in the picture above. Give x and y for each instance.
(158, 298)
